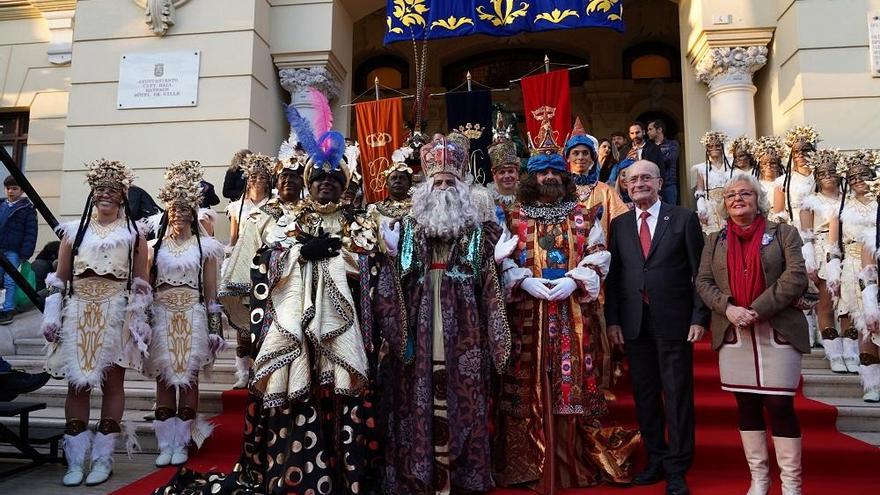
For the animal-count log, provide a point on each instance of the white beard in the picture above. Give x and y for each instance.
(444, 214)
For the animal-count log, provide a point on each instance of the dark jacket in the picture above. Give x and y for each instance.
(667, 275)
(784, 274)
(669, 153)
(140, 203)
(233, 184)
(20, 230)
(650, 152)
(209, 197)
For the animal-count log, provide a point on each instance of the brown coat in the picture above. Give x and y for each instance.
(785, 276)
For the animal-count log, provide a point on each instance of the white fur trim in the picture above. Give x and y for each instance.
(183, 432)
(90, 241)
(188, 260)
(871, 309)
(833, 271)
(868, 237)
(152, 222)
(165, 433)
(67, 230)
(107, 355)
(870, 376)
(52, 280)
(103, 446)
(159, 362)
(200, 431)
(76, 447)
(809, 253)
(207, 214)
(600, 259)
(136, 314)
(129, 435)
(702, 205)
(833, 348)
(52, 312)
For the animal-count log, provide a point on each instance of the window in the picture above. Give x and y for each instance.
(13, 137)
(651, 67)
(392, 71)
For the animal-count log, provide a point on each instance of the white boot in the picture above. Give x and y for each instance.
(851, 354)
(182, 437)
(870, 376)
(242, 372)
(165, 436)
(758, 457)
(834, 354)
(102, 458)
(788, 456)
(76, 448)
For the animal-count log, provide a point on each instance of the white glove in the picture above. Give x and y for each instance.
(537, 287)
(562, 288)
(390, 236)
(505, 246)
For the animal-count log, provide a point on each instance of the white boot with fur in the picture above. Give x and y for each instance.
(165, 437)
(242, 372)
(851, 352)
(102, 458)
(76, 448)
(182, 437)
(870, 376)
(758, 457)
(788, 456)
(834, 354)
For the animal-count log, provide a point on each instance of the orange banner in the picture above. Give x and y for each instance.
(379, 133)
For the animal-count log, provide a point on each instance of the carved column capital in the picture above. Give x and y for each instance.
(730, 65)
(298, 79)
(60, 24)
(160, 14)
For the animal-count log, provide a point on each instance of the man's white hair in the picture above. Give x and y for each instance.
(444, 213)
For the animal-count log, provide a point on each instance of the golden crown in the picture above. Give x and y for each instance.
(742, 143)
(257, 164)
(111, 174)
(769, 145)
(801, 134)
(182, 185)
(714, 138)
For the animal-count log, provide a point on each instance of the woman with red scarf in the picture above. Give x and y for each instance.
(752, 276)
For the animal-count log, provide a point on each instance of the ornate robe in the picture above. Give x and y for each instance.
(601, 194)
(551, 401)
(442, 315)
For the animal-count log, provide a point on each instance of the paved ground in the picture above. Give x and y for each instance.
(46, 479)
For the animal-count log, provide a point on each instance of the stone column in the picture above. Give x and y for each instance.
(300, 81)
(728, 73)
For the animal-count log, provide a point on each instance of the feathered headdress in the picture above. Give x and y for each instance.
(327, 156)
(769, 146)
(824, 162)
(257, 164)
(864, 164)
(111, 174)
(302, 131)
(714, 138)
(801, 134)
(743, 143)
(182, 185)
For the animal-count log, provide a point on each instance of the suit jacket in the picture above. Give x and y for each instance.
(667, 275)
(784, 274)
(650, 152)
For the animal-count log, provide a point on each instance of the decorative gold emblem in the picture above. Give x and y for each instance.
(472, 131)
(556, 16)
(505, 13)
(452, 23)
(604, 6)
(378, 139)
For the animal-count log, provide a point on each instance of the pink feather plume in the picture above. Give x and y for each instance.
(324, 117)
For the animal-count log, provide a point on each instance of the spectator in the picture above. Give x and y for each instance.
(15, 382)
(606, 159)
(618, 142)
(752, 292)
(640, 148)
(209, 197)
(44, 263)
(141, 203)
(234, 182)
(669, 153)
(18, 222)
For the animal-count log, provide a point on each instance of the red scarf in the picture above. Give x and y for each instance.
(744, 261)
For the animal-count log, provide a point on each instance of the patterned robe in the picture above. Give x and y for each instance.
(548, 433)
(442, 315)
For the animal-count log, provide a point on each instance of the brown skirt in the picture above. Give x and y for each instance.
(758, 360)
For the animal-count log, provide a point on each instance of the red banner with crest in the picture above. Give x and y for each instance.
(379, 133)
(547, 95)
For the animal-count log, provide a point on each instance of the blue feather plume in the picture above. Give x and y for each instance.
(302, 128)
(330, 149)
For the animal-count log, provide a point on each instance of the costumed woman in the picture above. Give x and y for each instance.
(799, 181)
(246, 239)
(398, 180)
(742, 151)
(769, 152)
(869, 346)
(818, 211)
(856, 221)
(711, 177)
(307, 422)
(95, 319)
(186, 318)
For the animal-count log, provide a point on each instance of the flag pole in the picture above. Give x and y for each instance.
(546, 64)
(469, 81)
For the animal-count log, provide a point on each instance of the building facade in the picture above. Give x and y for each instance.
(753, 67)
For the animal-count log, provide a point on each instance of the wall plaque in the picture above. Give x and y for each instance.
(158, 80)
(874, 42)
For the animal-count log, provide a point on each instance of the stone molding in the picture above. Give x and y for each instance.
(160, 14)
(320, 70)
(730, 56)
(60, 51)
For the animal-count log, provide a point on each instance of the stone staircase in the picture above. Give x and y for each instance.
(140, 392)
(855, 417)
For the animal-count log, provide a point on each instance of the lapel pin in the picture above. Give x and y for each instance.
(666, 217)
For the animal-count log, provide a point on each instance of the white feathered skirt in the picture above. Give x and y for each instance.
(94, 334)
(179, 349)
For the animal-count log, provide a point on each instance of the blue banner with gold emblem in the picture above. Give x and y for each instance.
(435, 19)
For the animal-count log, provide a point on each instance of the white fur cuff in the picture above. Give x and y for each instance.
(52, 311)
(809, 253)
(136, 314)
(871, 307)
(52, 280)
(832, 272)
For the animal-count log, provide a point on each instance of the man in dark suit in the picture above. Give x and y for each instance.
(652, 308)
(642, 148)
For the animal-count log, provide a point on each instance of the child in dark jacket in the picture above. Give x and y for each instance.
(18, 222)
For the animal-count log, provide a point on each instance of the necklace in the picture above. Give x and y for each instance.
(549, 212)
(177, 248)
(102, 231)
(394, 209)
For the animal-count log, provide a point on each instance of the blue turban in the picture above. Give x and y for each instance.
(543, 161)
(578, 140)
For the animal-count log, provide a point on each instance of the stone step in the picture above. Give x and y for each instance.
(854, 414)
(822, 382)
(36, 347)
(872, 438)
(223, 370)
(140, 395)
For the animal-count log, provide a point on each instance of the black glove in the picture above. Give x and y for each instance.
(319, 247)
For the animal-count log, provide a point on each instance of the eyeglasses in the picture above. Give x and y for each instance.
(744, 195)
(635, 179)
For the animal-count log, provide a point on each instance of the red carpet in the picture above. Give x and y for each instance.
(833, 462)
